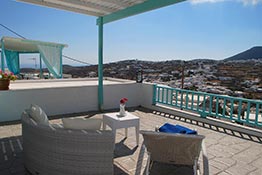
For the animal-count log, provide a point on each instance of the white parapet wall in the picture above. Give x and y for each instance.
(147, 95)
(53, 101)
(68, 99)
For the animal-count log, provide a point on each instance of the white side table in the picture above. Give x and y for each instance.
(115, 122)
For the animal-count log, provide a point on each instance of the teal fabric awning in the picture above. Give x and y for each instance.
(51, 53)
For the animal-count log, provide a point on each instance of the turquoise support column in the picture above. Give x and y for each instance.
(100, 64)
(41, 69)
(61, 63)
(2, 56)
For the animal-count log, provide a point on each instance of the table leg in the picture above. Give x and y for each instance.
(114, 133)
(126, 132)
(104, 126)
(137, 135)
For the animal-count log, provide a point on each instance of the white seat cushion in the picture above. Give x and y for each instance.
(82, 123)
(38, 115)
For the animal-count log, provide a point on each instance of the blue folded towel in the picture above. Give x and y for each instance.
(169, 128)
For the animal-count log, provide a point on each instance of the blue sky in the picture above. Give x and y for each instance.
(196, 29)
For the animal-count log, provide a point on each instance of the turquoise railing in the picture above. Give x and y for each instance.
(240, 110)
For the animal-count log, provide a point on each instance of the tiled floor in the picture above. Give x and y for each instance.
(229, 152)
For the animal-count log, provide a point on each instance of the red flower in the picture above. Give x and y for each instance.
(123, 100)
(7, 76)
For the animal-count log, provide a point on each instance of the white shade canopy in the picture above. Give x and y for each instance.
(109, 10)
(25, 45)
(89, 7)
(51, 53)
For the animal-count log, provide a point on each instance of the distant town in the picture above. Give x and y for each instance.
(234, 78)
(239, 76)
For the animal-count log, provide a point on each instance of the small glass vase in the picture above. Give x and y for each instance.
(122, 111)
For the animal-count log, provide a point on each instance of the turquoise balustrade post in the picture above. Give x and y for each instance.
(217, 103)
(231, 109)
(176, 97)
(163, 91)
(210, 104)
(248, 112)
(186, 99)
(224, 108)
(192, 101)
(166, 95)
(257, 111)
(198, 96)
(158, 94)
(100, 65)
(172, 96)
(154, 94)
(181, 99)
(239, 110)
(203, 112)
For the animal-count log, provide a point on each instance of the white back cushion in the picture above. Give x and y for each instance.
(82, 123)
(38, 115)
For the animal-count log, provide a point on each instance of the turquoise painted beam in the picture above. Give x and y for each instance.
(100, 65)
(137, 9)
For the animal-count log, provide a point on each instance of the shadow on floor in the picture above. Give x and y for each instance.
(11, 158)
(122, 150)
(119, 171)
(205, 125)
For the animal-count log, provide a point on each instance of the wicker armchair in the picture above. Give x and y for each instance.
(51, 150)
(177, 149)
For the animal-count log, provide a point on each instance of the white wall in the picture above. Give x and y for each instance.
(52, 100)
(113, 94)
(67, 99)
(147, 91)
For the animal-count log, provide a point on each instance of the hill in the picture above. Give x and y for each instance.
(253, 53)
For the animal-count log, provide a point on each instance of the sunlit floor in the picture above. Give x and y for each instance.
(229, 152)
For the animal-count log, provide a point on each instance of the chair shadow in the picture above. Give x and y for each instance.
(13, 157)
(139, 163)
(119, 171)
(122, 150)
(206, 125)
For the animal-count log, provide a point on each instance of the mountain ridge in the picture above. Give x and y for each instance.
(252, 53)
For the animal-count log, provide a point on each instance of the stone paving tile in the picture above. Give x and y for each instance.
(256, 172)
(229, 152)
(257, 162)
(240, 169)
(223, 173)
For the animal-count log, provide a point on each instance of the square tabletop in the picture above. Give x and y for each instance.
(116, 116)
